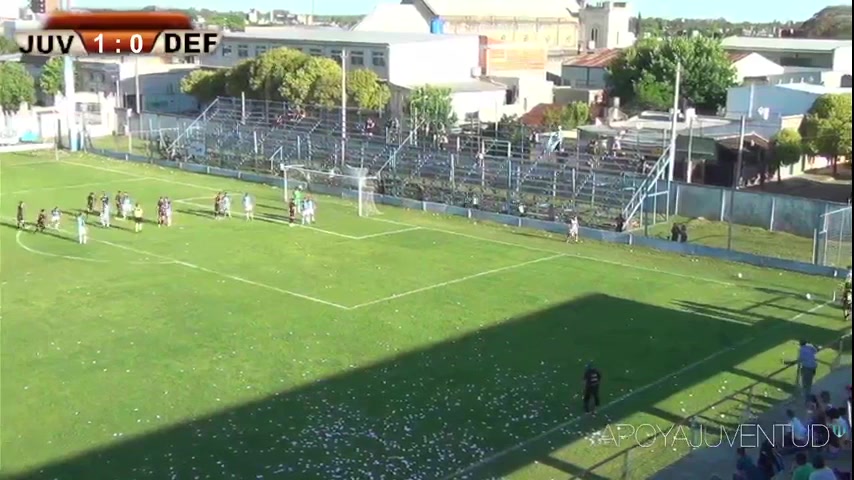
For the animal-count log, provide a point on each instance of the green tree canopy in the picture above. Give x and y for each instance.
(431, 108)
(566, 117)
(8, 46)
(826, 129)
(650, 94)
(52, 76)
(787, 149)
(204, 85)
(365, 90)
(707, 72)
(16, 86)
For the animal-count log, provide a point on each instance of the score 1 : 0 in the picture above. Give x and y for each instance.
(135, 43)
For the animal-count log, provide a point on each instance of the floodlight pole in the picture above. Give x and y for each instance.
(70, 96)
(673, 122)
(343, 105)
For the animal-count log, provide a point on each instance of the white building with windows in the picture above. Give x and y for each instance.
(832, 55)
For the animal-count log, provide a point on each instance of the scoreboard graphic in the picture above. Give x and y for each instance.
(117, 33)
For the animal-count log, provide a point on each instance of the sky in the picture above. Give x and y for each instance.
(732, 10)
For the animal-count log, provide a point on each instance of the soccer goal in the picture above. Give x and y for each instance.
(354, 183)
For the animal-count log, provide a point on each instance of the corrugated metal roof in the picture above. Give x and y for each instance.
(783, 44)
(503, 8)
(812, 88)
(598, 59)
(310, 35)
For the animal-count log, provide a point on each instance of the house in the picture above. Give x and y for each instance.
(606, 25)
(588, 70)
(796, 52)
(775, 101)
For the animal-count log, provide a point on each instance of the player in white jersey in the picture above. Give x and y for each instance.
(82, 234)
(168, 211)
(308, 210)
(226, 205)
(127, 206)
(105, 215)
(55, 217)
(248, 207)
(572, 234)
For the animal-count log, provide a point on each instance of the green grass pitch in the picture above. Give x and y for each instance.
(402, 346)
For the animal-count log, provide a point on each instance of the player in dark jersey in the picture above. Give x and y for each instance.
(19, 218)
(162, 207)
(90, 202)
(41, 221)
(590, 397)
(118, 199)
(292, 212)
(218, 205)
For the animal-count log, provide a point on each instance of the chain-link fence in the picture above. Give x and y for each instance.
(834, 238)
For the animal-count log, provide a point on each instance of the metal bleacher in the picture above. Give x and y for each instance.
(552, 179)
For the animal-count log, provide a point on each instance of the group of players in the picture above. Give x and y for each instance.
(299, 205)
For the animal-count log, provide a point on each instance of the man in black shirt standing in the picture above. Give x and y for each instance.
(592, 379)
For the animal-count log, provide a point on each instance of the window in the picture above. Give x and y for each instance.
(260, 50)
(315, 52)
(357, 58)
(378, 59)
(594, 35)
(336, 55)
(226, 50)
(242, 51)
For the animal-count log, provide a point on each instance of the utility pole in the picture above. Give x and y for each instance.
(70, 97)
(343, 105)
(736, 181)
(673, 122)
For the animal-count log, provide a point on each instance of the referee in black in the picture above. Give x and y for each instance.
(592, 379)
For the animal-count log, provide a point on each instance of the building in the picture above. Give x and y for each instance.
(554, 23)
(832, 55)
(606, 25)
(589, 70)
(776, 101)
(45, 6)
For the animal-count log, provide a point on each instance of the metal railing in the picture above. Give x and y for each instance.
(650, 182)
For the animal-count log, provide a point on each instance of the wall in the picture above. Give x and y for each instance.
(512, 59)
(755, 65)
(795, 59)
(842, 60)
(489, 105)
(520, 222)
(567, 95)
(583, 77)
(161, 92)
(562, 33)
(780, 101)
(447, 60)
(48, 123)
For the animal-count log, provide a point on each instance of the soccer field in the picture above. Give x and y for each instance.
(402, 346)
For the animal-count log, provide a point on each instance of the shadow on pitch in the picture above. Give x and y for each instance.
(512, 388)
(196, 212)
(30, 229)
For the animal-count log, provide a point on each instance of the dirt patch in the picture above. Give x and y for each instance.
(818, 184)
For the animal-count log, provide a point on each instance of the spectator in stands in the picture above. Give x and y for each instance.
(770, 462)
(797, 434)
(821, 470)
(803, 468)
(683, 233)
(745, 469)
(620, 223)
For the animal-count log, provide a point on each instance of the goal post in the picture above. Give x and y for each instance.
(353, 183)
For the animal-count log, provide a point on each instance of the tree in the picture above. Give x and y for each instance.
(324, 75)
(52, 76)
(16, 86)
(238, 80)
(787, 150)
(272, 71)
(566, 117)
(826, 129)
(829, 22)
(707, 72)
(204, 85)
(510, 127)
(365, 90)
(8, 46)
(650, 94)
(431, 108)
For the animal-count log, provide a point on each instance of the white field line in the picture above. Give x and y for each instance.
(569, 423)
(568, 254)
(226, 275)
(453, 282)
(190, 199)
(392, 232)
(159, 179)
(71, 187)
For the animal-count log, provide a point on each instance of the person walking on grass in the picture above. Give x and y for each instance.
(592, 380)
(807, 365)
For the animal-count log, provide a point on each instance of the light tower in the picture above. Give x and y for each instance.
(70, 97)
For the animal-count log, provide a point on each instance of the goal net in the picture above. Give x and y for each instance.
(354, 183)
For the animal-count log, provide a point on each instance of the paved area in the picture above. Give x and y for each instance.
(818, 184)
(704, 463)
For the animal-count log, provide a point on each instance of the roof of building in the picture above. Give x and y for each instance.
(503, 8)
(597, 59)
(812, 88)
(736, 56)
(784, 44)
(471, 86)
(329, 35)
(392, 17)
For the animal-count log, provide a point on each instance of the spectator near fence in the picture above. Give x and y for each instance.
(807, 365)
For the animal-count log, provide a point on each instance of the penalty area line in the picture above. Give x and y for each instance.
(569, 423)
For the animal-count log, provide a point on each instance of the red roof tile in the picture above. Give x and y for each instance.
(536, 116)
(599, 59)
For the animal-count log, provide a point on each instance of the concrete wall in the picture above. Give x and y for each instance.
(842, 60)
(444, 61)
(488, 106)
(780, 101)
(584, 77)
(796, 59)
(520, 222)
(554, 33)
